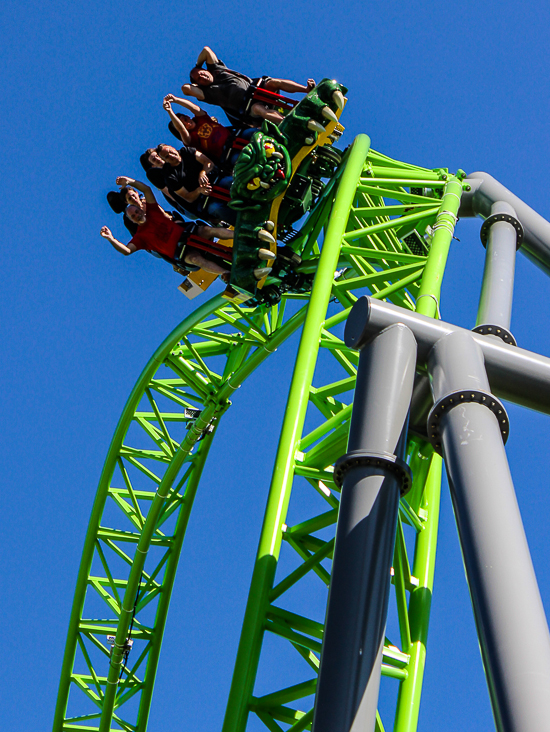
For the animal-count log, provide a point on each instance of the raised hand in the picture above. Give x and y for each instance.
(105, 232)
(310, 84)
(167, 104)
(123, 180)
(170, 98)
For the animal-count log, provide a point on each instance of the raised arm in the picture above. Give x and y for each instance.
(190, 196)
(193, 90)
(207, 55)
(125, 249)
(193, 108)
(122, 181)
(178, 124)
(207, 166)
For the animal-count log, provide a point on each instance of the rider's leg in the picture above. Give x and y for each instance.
(193, 256)
(260, 110)
(215, 232)
(277, 85)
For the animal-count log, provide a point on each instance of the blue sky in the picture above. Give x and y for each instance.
(458, 86)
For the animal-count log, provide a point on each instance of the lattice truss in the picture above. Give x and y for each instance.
(155, 461)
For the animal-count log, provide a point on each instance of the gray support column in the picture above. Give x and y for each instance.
(373, 475)
(502, 234)
(421, 403)
(513, 634)
(482, 190)
(521, 376)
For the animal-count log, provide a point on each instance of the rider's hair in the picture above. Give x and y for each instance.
(144, 159)
(116, 201)
(193, 74)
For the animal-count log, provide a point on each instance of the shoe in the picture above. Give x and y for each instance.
(290, 255)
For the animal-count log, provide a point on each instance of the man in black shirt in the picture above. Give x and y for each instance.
(186, 176)
(229, 89)
(186, 171)
(153, 166)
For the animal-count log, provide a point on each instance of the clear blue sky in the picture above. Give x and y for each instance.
(437, 84)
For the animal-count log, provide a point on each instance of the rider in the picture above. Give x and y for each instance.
(229, 89)
(127, 196)
(153, 166)
(157, 233)
(186, 175)
(203, 132)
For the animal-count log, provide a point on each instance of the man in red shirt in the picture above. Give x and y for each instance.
(157, 233)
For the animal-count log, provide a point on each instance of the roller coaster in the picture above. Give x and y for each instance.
(375, 226)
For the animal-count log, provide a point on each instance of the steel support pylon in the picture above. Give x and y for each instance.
(510, 618)
(373, 474)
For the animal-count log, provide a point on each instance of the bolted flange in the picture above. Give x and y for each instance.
(495, 218)
(496, 330)
(455, 399)
(363, 459)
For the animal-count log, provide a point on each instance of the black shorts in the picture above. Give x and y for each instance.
(261, 81)
(181, 249)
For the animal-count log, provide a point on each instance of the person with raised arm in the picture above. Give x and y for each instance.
(203, 132)
(153, 166)
(216, 84)
(199, 131)
(186, 171)
(186, 174)
(157, 233)
(127, 196)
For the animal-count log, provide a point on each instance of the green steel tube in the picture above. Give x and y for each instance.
(212, 408)
(427, 301)
(168, 583)
(259, 356)
(375, 228)
(408, 704)
(127, 607)
(279, 494)
(405, 174)
(89, 543)
(208, 413)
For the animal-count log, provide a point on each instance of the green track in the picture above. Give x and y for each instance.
(153, 469)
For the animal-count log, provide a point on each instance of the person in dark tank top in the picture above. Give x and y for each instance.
(228, 89)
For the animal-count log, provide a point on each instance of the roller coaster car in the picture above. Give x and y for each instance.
(273, 100)
(197, 282)
(277, 179)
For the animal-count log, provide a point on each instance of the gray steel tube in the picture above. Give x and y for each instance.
(349, 676)
(486, 190)
(495, 302)
(520, 376)
(510, 618)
